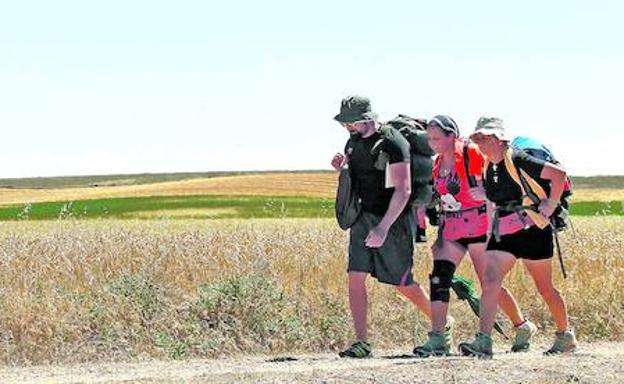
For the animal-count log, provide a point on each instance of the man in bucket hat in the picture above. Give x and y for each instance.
(380, 240)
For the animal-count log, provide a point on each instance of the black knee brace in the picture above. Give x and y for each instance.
(440, 280)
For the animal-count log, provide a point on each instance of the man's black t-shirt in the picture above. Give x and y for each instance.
(501, 188)
(368, 168)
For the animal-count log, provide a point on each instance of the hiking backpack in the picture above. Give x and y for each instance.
(560, 219)
(421, 161)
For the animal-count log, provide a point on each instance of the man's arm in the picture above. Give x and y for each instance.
(401, 179)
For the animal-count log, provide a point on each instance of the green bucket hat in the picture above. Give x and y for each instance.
(355, 108)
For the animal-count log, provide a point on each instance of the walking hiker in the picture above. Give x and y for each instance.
(463, 227)
(520, 230)
(380, 239)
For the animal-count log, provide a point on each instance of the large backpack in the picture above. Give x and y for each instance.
(414, 131)
(559, 219)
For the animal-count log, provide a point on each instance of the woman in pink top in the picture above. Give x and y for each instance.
(463, 228)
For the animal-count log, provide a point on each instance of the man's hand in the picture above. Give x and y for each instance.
(376, 237)
(338, 162)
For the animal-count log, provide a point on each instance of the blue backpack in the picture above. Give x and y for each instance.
(534, 148)
(560, 220)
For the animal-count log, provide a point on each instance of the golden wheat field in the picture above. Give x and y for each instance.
(268, 184)
(74, 291)
(272, 184)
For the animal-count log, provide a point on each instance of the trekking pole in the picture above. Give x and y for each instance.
(563, 271)
(554, 232)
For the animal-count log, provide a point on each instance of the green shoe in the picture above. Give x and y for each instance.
(564, 342)
(481, 347)
(358, 350)
(439, 344)
(524, 333)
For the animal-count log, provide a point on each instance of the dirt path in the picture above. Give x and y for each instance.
(593, 363)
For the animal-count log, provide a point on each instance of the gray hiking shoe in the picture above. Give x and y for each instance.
(524, 333)
(438, 344)
(564, 342)
(481, 347)
(358, 350)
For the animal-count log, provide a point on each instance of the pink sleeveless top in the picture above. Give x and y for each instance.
(462, 216)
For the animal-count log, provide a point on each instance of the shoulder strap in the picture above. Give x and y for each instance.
(529, 187)
(472, 181)
(486, 164)
(348, 150)
(436, 167)
(384, 132)
(512, 170)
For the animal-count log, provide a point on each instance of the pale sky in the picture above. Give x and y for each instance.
(102, 87)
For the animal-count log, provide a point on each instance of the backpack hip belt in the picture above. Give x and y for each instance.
(480, 209)
(512, 207)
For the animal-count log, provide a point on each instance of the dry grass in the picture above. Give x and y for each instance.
(124, 290)
(272, 184)
(598, 194)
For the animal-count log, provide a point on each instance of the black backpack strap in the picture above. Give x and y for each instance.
(472, 181)
(536, 200)
(527, 188)
(347, 150)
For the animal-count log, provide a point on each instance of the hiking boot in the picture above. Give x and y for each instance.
(439, 344)
(358, 350)
(481, 346)
(524, 333)
(564, 342)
